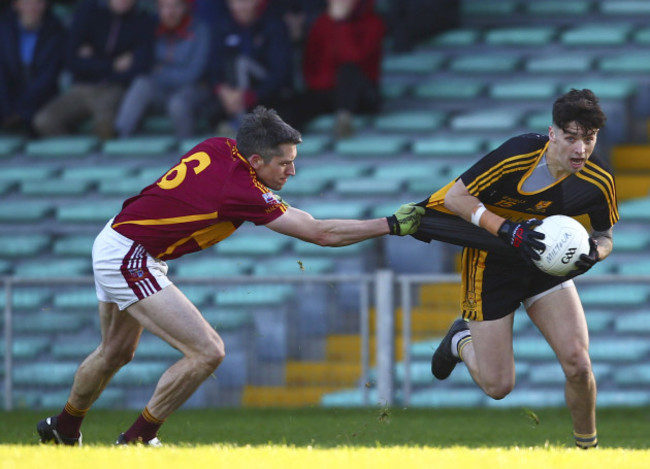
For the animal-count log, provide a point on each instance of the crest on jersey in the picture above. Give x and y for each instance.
(270, 198)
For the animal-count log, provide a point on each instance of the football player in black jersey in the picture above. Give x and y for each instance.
(492, 210)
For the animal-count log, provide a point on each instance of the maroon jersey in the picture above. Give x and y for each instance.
(197, 203)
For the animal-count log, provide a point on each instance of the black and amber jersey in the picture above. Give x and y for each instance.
(497, 180)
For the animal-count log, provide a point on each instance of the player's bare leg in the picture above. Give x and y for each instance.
(120, 336)
(172, 317)
(489, 356)
(560, 318)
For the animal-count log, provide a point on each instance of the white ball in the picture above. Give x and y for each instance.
(566, 239)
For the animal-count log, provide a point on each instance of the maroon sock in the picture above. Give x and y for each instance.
(144, 428)
(69, 421)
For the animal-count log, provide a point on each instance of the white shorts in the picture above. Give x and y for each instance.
(124, 271)
(529, 301)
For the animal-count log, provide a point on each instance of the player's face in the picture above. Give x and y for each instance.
(276, 172)
(573, 147)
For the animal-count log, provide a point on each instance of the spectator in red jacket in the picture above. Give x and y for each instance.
(341, 65)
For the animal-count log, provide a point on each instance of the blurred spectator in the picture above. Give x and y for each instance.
(341, 65)
(111, 42)
(32, 45)
(251, 61)
(299, 15)
(412, 21)
(181, 55)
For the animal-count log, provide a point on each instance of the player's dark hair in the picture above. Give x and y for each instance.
(262, 131)
(581, 107)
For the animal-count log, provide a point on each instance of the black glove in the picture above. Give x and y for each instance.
(586, 261)
(522, 236)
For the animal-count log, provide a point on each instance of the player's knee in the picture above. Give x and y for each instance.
(498, 390)
(578, 368)
(213, 354)
(116, 357)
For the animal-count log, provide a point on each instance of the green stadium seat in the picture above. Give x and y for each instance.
(314, 145)
(485, 63)
(10, 145)
(558, 7)
(448, 146)
(326, 122)
(631, 240)
(254, 295)
(633, 323)
(447, 398)
(213, 267)
(84, 298)
(26, 348)
(264, 243)
(111, 398)
(530, 348)
(536, 122)
(448, 89)
(89, 212)
(524, 90)
(618, 349)
(26, 173)
(623, 398)
(391, 91)
(642, 36)
(599, 320)
(5, 267)
(560, 63)
(621, 295)
(141, 374)
(630, 62)
(633, 375)
(53, 268)
(520, 36)
(427, 186)
(406, 172)
(410, 121)
(337, 209)
(374, 146)
(596, 35)
(230, 319)
(155, 348)
(74, 245)
(25, 211)
(333, 171)
(199, 295)
(6, 186)
(294, 266)
(140, 146)
(368, 186)
(526, 397)
(484, 9)
(26, 298)
(187, 144)
(456, 38)
(55, 188)
(634, 267)
(486, 120)
(111, 172)
(49, 322)
(150, 174)
(77, 349)
(23, 246)
(635, 209)
(419, 62)
(45, 374)
(159, 124)
(303, 186)
(62, 147)
(633, 8)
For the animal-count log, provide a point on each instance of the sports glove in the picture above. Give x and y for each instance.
(586, 261)
(521, 235)
(405, 220)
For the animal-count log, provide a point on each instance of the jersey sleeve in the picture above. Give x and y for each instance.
(251, 201)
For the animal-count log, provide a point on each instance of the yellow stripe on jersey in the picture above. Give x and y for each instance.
(605, 182)
(514, 163)
(170, 221)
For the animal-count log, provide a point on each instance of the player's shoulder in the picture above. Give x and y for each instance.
(600, 163)
(524, 143)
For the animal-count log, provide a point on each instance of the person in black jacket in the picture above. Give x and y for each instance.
(111, 42)
(252, 61)
(32, 45)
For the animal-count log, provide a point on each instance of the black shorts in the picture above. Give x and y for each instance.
(494, 285)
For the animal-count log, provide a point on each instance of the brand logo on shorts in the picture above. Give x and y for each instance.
(136, 273)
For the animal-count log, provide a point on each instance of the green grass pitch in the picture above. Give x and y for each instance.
(317, 437)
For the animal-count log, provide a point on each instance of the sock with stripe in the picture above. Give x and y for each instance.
(69, 421)
(586, 440)
(458, 341)
(145, 427)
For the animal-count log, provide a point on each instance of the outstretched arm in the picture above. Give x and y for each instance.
(462, 203)
(342, 232)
